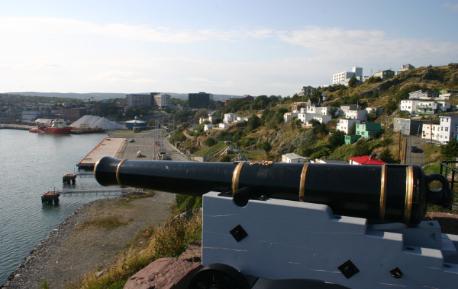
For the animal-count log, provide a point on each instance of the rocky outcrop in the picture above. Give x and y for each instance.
(167, 273)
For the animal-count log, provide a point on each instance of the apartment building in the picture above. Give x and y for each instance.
(346, 125)
(162, 100)
(344, 77)
(443, 132)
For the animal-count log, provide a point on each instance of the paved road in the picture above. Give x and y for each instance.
(150, 143)
(414, 152)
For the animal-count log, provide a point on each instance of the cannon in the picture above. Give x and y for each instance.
(277, 225)
(385, 193)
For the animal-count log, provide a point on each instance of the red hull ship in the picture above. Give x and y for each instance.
(54, 126)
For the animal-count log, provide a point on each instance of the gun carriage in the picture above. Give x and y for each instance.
(298, 225)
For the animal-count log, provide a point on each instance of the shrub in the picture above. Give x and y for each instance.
(253, 123)
(450, 150)
(210, 142)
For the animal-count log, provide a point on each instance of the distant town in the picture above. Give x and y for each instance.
(354, 108)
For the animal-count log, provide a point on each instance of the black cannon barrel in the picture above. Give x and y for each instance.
(387, 193)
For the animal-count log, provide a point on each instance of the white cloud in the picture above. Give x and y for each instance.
(72, 55)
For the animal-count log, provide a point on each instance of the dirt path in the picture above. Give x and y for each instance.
(89, 240)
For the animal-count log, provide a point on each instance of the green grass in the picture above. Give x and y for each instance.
(168, 240)
(44, 285)
(210, 151)
(256, 155)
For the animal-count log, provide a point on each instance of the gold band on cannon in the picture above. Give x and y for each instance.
(409, 194)
(302, 182)
(383, 193)
(118, 168)
(236, 177)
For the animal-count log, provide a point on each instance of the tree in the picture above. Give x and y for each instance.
(210, 142)
(450, 150)
(386, 156)
(253, 123)
(336, 139)
(266, 146)
(353, 82)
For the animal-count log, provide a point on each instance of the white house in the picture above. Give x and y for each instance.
(292, 158)
(425, 102)
(345, 125)
(223, 125)
(229, 117)
(324, 110)
(359, 114)
(442, 132)
(288, 116)
(307, 117)
(241, 119)
(208, 127)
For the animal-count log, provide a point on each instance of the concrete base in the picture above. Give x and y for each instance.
(279, 239)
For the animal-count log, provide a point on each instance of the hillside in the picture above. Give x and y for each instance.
(386, 93)
(267, 136)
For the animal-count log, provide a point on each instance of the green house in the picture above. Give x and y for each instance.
(349, 139)
(368, 129)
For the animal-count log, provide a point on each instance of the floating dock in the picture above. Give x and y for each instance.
(109, 146)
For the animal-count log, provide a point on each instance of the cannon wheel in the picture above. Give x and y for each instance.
(218, 276)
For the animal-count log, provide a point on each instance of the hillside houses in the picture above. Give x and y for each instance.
(425, 102)
(442, 133)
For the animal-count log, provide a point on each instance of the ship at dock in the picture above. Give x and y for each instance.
(51, 126)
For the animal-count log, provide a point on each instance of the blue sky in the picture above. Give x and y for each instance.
(233, 47)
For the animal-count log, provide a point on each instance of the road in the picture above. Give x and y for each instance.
(149, 144)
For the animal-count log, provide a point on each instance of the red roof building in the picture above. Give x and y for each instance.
(365, 160)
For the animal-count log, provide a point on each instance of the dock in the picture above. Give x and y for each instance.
(109, 146)
(15, 126)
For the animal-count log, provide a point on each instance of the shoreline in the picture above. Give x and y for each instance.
(73, 249)
(63, 228)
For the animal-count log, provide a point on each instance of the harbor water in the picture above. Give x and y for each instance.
(31, 164)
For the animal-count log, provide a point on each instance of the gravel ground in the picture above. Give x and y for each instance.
(72, 250)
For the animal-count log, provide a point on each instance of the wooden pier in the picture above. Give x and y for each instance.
(109, 146)
(50, 198)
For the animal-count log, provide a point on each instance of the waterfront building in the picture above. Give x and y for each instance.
(344, 77)
(443, 132)
(162, 100)
(135, 124)
(139, 100)
(29, 116)
(199, 100)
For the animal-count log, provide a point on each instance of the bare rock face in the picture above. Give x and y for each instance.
(166, 273)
